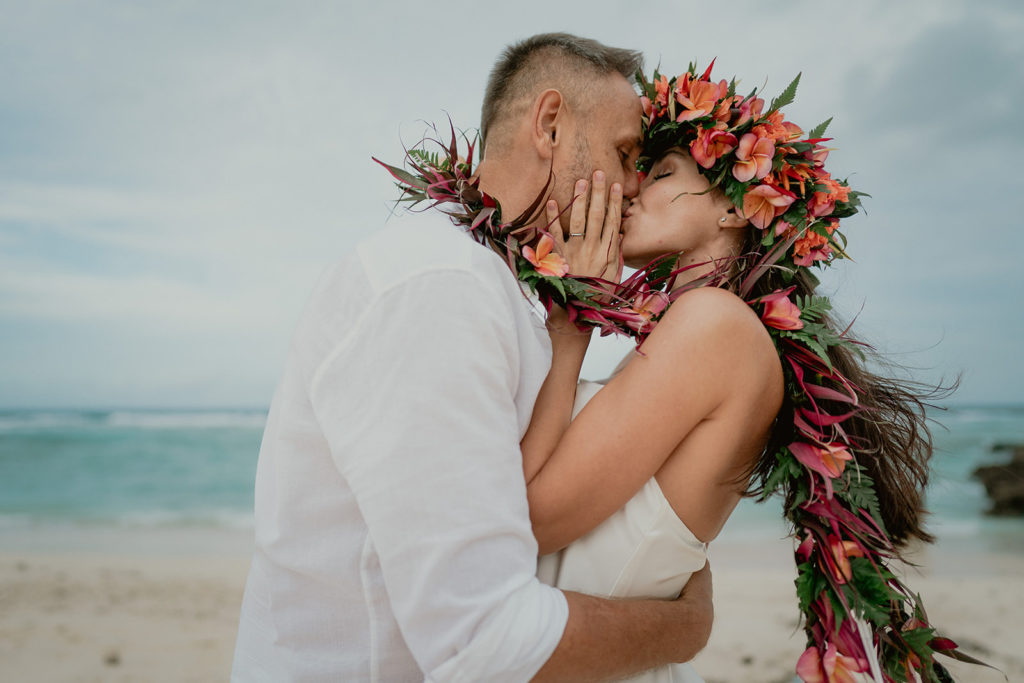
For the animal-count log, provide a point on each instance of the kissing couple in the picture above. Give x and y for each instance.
(438, 496)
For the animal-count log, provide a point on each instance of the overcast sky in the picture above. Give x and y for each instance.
(174, 176)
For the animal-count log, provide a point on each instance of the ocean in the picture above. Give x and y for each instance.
(195, 469)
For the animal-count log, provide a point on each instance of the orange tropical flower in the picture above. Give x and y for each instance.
(764, 203)
(841, 552)
(780, 312)
(778, 129)
(711, 144)
(828, 460)
(701, 100)
(814, 247)
(753, 158)
(544, 260)
(683, 86)
(660, 97)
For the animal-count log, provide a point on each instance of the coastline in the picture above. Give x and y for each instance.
(80, 603)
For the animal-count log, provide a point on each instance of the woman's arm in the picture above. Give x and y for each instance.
(553, 410)
(595, 254)
(696, 356)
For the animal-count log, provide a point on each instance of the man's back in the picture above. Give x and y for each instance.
(392, 530)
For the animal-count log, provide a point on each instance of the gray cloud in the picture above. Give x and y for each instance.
(228, 144)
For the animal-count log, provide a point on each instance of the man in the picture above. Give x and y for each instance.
(392, 530)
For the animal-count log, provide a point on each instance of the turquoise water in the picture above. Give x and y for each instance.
(197, 467)
(956, 501)
(130, 467)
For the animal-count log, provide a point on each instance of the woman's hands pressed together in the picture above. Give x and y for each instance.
(592, 250)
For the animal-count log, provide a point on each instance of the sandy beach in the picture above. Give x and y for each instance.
(120, 606)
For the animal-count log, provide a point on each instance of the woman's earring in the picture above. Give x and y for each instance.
(722, 219)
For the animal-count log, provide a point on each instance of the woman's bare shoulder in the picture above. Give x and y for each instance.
(714, 326)
(715, 311)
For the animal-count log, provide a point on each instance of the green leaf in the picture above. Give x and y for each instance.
(662, 269)
(786, 467)
(556, 282)
(809, 584)
(918, 638)
(869, 590)
(787, 96)
(819, 130)
(860, 492)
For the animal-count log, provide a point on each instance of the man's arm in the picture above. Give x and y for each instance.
(417, 405)
(615, 638)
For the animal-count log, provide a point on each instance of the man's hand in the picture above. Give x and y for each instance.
(611, 639)
(592, 246)
(698, 598)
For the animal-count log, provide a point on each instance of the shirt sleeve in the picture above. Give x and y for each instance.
(417, 405)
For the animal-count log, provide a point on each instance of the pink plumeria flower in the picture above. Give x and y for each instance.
(764, 203)
(711, 144)
(832, 668)
(753, 158)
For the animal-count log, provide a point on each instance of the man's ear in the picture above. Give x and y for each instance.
(547, 118)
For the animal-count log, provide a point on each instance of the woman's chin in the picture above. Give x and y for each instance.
(638, 260)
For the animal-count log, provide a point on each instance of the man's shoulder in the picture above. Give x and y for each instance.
(413, 245)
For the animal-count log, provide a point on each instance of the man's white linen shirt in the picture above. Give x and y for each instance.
(393, 540)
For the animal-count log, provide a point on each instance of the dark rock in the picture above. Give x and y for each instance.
(1004, 484)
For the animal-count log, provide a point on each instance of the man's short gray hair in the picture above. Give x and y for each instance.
(549, 60)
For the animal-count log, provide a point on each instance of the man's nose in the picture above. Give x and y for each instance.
(631, 185)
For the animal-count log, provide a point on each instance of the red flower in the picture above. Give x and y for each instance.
(828, 460)
(780, 312)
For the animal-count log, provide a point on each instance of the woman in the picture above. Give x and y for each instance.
(736, 390)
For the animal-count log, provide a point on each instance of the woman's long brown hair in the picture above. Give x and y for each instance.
(890, 433)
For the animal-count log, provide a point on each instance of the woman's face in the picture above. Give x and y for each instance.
(670, 215)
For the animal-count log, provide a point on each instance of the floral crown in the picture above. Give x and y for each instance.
(764, 164)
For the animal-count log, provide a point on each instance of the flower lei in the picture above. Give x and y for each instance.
(444, 179)
(861, 621)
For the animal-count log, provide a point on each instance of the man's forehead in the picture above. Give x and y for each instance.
(621, 109)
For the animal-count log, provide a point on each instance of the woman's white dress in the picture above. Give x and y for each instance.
(642, 551)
